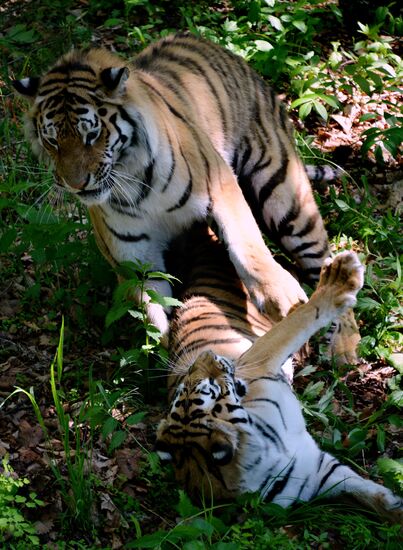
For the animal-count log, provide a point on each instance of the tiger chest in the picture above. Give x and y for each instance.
(143, 232)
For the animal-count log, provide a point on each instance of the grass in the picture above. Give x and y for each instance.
(52, 268)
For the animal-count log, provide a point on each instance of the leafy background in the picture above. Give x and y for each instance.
(77, 429)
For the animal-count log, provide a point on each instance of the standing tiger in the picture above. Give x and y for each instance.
(234, 424)
(186, 132)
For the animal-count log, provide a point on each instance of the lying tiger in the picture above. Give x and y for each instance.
(185, 132)
(234, 424)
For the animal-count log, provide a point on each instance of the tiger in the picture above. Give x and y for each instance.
(234, 424)
(185, 132)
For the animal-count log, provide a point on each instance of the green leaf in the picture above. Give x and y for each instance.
(367, 303)
(263, 45)
(109, 426)
(342, 205)
(300, 25)
(22, 35)
(113, 22)
(306, 371)
(305, 110)
(194, 545)
(135, 418)
(362, 83)
(136, 314)
(320, 109)
(185, 507)
(161, 275)
(204, 526)
(230, 25)
(153, 540)
(396, 398)
(165, 301)
(330, 100)
(116, 312)
(7, 238)
(275, 23)
(380, 438)
(306, 98)
(117, 439)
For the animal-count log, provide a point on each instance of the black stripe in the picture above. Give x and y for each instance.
(184, 198)
(303, 246)
(246, 155)
(276, 179)
(194, 67)
(280, 484)
(133, 123)
(197, 344)
(72, 66)
(172, 168)
(267, 400)
(319, 254)
(326, 477)
(285, 227)
(308, 227)
(268, 431)
(146, 185)
(302, 487)
(322, 456)
(172, 109)
(312, 273)
(128, 238)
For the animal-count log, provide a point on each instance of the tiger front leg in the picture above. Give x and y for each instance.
(271, 287)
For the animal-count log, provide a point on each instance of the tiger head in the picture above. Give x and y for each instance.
(202, 431)
(78, 121)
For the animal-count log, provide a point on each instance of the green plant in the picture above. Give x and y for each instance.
(15, 530)
(147, 348)
(77, 486)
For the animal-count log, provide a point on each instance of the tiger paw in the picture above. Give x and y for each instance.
(340, 280)
(345, 339)
(277, 293)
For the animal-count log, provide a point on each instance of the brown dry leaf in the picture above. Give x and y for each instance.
(46, 340)
(43, 527)
(113, 517)
(28, 455)
(345, 122)
(128, 462)
(107, 503)
(29, 435)
(100, 462)
(9, 308)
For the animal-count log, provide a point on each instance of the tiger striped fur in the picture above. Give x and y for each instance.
(187, 131)
(234, 424)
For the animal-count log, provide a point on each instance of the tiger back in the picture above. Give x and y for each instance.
(234, 424)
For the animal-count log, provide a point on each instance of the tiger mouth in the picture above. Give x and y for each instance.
(99, 195)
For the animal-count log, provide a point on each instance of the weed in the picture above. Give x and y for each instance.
(15, 529)
(77, 489)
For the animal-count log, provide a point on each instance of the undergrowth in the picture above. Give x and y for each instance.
(47, 249)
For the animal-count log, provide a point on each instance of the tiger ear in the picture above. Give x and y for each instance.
(114, 79)
(27, 87)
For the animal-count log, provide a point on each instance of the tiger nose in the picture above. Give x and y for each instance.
(81, 183)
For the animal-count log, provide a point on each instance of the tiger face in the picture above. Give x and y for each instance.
(78, 123)
(201, 434)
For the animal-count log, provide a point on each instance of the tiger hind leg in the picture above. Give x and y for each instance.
(338, 479)
(340, 280)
